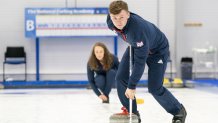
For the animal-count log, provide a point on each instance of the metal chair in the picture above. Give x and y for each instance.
(15, 56)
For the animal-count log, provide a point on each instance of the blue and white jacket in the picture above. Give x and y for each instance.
(145, 39)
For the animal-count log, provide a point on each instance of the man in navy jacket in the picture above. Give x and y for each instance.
(149, 46)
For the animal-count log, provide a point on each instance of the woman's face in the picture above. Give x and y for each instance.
(99, 52)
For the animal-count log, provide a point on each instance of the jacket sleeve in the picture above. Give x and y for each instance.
(91, 78)
(140, 54)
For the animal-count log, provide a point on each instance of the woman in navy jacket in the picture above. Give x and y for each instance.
(149, 45)
(101, 70)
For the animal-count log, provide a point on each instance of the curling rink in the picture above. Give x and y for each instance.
(82, 106)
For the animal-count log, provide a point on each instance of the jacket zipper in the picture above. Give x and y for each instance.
(122, 34)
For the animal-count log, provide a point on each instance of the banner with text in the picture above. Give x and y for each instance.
(64, 22)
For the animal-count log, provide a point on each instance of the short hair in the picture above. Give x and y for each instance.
(117, 6)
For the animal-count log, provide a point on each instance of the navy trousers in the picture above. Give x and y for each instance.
(156, 68)
(106, 82)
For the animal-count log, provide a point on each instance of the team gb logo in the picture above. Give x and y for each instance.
(139, 44)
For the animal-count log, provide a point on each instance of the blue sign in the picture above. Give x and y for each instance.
(33, 28)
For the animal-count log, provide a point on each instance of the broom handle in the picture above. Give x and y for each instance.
(130, 111)
(130, 72)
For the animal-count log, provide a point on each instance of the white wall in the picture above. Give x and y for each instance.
(167, 25)
(69, 55)
(195, 11)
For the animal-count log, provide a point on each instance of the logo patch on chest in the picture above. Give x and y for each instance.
(139, 44)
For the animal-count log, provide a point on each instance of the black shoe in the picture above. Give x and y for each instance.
(180, 117)
(139, 118)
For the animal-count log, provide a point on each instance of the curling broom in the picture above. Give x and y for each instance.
(128, 117)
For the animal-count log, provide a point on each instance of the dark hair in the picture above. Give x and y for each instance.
(117, 6)
(107, 59)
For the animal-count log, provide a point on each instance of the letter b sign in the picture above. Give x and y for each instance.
(29, 25)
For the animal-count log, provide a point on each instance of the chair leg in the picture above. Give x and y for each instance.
(3, 72)
(171, 70)
(25, 72)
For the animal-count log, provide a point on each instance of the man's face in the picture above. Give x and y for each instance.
(120, 20)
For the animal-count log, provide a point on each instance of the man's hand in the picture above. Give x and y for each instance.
(130, 93)
(103, 97)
